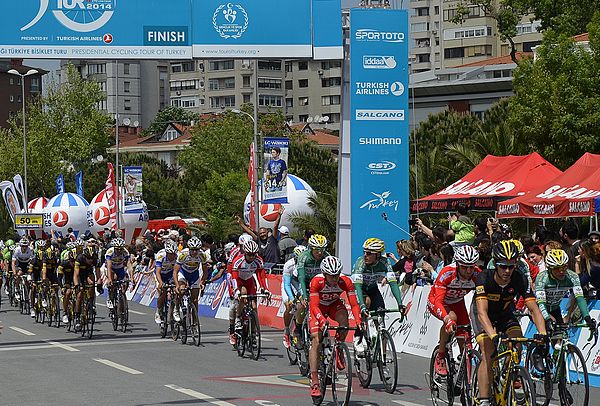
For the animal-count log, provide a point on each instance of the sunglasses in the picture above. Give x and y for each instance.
(366, 253)
(559, 268)
(466, 267)
(507, 267)
(321, 250)
(251, 254)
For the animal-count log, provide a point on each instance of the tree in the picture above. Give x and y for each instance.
(324, 217)
(568, 17)
(556, 106)
(313, 164)
(171, 114)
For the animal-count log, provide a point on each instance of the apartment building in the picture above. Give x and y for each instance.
(137, 90)
(11, 101)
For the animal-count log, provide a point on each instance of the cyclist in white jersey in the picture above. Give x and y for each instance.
(118, 263)
(290, 286)
(21, 258)
(190, 270)
(165, 262)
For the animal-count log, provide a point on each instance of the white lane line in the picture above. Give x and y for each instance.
(118, 366)
(199, 395)
(63, 346)
(101, 304)
(406, 403)
(22, 331)
(136, 312)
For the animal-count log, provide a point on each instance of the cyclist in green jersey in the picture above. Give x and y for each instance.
(309, 265)
(6, 257)
(553, 284)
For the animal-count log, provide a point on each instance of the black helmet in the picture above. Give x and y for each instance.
(505, 253)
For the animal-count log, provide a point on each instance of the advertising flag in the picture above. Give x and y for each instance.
(111, 197)
(79, 183)
(274, 183)
(18, 185)
(60, 184)
(133, 185)
(252, 179)
(10, 198)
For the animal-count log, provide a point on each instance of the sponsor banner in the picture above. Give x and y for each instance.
(424, 327)
(271, 313)
(379, 125)
(79, 183)
(60, 184)
(111, 197)
(97, 29)
(550, 209)
(236, 29)
(18, 182)
(11, 201)
(210, 302)
(274, 185)
(252, 179)
(327, 29)
(442, 206)
(133, 186)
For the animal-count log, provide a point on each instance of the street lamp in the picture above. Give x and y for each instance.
(256, 198)
(22, 76)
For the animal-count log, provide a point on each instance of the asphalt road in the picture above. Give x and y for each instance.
(47, 366)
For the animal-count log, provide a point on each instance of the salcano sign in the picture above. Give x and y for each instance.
(379, 125)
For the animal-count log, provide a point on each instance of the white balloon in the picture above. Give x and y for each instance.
(64, 211)
(133, 223)
(37, 206)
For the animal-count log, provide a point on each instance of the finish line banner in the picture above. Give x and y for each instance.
(379, 126)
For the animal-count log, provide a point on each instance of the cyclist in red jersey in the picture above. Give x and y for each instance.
(324, 301)
(235, 253)
(446, 298)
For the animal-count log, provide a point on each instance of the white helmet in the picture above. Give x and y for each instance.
(331, 265)
(170, 247)
(244, 238)
(228, 247)
(466, 255)
(299, 250)
(250, 247)
(194, 243)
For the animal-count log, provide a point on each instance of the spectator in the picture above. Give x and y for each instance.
(534, 254)
(307, 234)
(569, 233)
(268, 247)
(461, 224)
(594, 237)
(286, 245)
(481, 230)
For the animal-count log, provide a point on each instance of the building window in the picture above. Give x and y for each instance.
(303, 118)
(19, 100)
(229, 83)
(422, 58)
(221, 65)
(126, 67)
(422, 11)
(35, 84)
(12, 98)
(127, 105)
(303, 83)
(270, 100)
(478, 50)
(528, 46)
(330, 100)
(126, 87)
(303, 101)
(188, 66)
(267, 83)
(269, 65)
(303, 65)
(289, 84)
(436, 10)
(451, 53)
(246, 98)
(102, 86)
(334, 118)
(329, 82)
(11, 80)
(289, 102)
(176, 85)
(419, 27)
(246, 81)
(176, 68)
(96, 68)
(288, 66)
(102, 105)
(229, 101)
(325, 65)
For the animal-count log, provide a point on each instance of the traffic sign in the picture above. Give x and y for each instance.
(32, 221)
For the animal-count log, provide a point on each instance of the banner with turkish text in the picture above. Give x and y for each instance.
(79, 183)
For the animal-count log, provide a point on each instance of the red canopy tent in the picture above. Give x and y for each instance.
(495, 179)
(570, 194)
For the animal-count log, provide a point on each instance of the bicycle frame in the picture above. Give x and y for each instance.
(504, 377)
(562, 337)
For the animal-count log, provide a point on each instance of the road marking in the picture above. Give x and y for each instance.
(199, 395)
(267, 379)
(118, 366)
(265, 339)
(406, 403)
(136, 312)
(22, 331)
(63, 346)
(101, 304)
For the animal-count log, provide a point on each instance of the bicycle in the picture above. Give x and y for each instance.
(166, 312)
(341, 379)
(565, 355)
(23, 289)
(87, 315)
(10, 288)
(189, 322)
(71, 312)
(40, 298)
(506, 370)
(119, 314)
(459, 380)
(379, 350)
(53, 308)
(248, 337)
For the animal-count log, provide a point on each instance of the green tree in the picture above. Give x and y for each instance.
(323, 219)
(568, 17)
(313, 164)
(171, 114)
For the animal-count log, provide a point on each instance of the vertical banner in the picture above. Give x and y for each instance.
(327, 29)
(18, 185)
(111, 197)
(60, 184)
(276, 170)
(379, 126)
(252, 179)
(79, 183)
(133, 185)
(10, 198)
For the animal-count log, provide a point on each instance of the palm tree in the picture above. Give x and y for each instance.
(324, 217)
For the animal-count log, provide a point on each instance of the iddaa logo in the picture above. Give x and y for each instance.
(379, 62)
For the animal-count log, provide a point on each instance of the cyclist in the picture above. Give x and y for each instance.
(370, 269)
(308, 266)
(117, 259)
(66, 269)
(35, 272)
(290, 287)
(85, 273)
(446, 298)
(49, 269)
(191, 271)
(21, 258)
(244, 269)
(493, 307)
(553, 284)
(5, 256)
(325, 291)
(233, 304)
(165, 262)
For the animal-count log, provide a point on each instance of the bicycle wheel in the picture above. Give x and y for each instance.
(114, 312)
(341, 378)
(542, 381)
(254, 336)
(166, 316)
(57, 315)
(124, 313)
(304, 349)
(174, 325)
(574, 384)
(317, 400)
(466, 377)
(363, 364)
(524, 396)
(388, 362)
(441, 387)
(242, 337)
(90, 318)
(194, 323)
(291, 350)
(183, 323)
(51, 309)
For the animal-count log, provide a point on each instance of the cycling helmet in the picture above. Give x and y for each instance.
(374, 245)
(88, 251)
(170, 247)
(250, 247)
(244, 238)
(466, 255)
(117, 243)
(10, 243)
(194, 243)
(40, 244)
(228, 247)
(79, 242)
(505, 253)
(331, 265)
(24, 242)
(299, 250)
(556, 258)
(70, 245)
(519, 246)
(317, 241)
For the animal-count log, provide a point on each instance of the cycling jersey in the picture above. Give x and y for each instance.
(35, 265)
(166, 266)
(368, 276)
(449, 289)
(325, 300)
(50, 264)
(290, 280)
(550, 291)
(7, 254)
(307, 268)
(66, 268)
(501, 299)
(191, 264)
(23, 257)
(85, 265)
(119, 259)
(242, 273)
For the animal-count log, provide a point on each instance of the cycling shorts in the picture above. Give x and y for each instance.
(167, 277)
(249, 284)
(86, 276)
(191, 278)
(459, 308)
(295, 288)
(374, 294)
(22, 266)
(67, 278)
(52, 276)
(327, 311)
(36, 275)
(120, 272)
